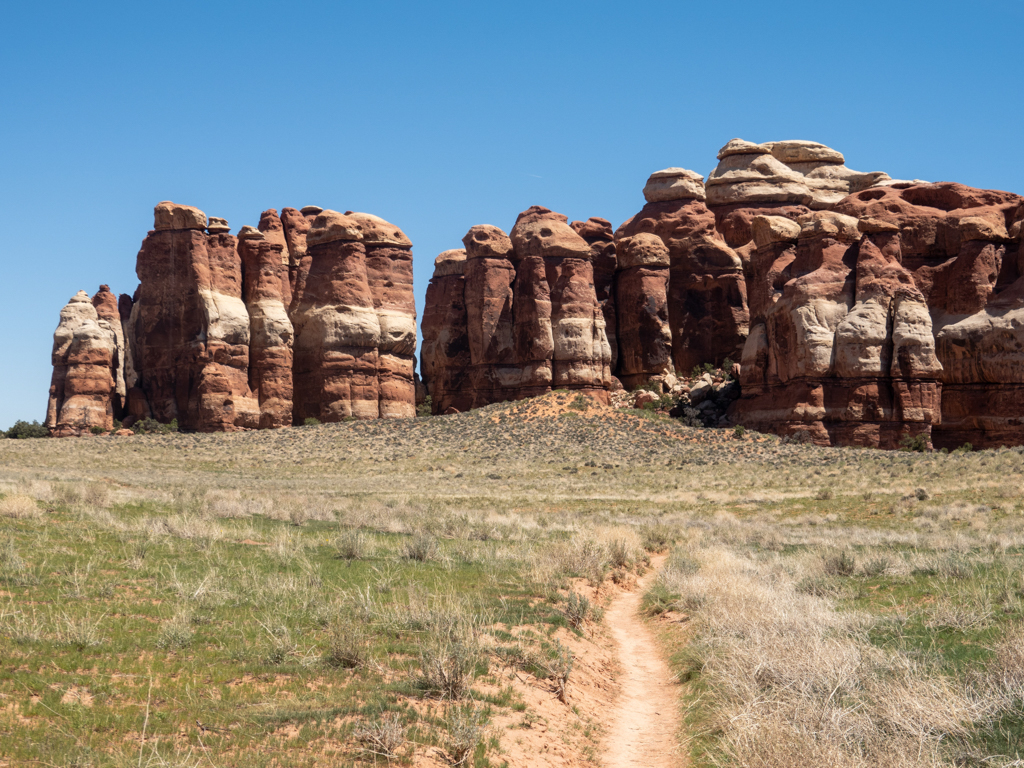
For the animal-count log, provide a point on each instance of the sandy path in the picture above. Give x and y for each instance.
(642, 726)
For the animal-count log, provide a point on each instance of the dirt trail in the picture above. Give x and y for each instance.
(642, 726)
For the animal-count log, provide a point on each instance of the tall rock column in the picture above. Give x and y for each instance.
(645, 338)
(707, 300)
(270, 330)
(562, 306)
(296, 225)
(445, 349)
(189, 327)
(389, 275)
(337, 330)
(601, 239)
(493, 375)
(82, 388)
(273, 231)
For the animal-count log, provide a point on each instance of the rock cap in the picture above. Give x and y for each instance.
(487, 241)
(167, 215)
(451, 262)
(773, 229)
(742, 147)
(642, 250)
(329, 226)
(250, 233)
(377, 231)
(217, 226)
(674, 184)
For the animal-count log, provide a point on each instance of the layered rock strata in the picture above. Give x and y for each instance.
(84, 386)
(256, 331)
(512, 316)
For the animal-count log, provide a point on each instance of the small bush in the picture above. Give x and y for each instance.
(19, 507)
(425, 408)
(23, 430)
(914, 443)
(348, 644)
(877, 566)
(839, 563)
(578, 610)
(448, 666)
(382, 738)
(422, 547)
(176, 633)
(824, 494)
(656, 537)
(465, 730)
(351, 544)
(153, 427)
(311, 421)
(739, 431)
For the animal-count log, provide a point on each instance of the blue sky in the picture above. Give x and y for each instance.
(439, 116)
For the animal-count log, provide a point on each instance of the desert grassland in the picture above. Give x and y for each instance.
(365, 592)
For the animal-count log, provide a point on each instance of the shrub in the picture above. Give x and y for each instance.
(448, 666)
(311, 421)
(915, 443)
(739, 431)
(23, 430)
(422, 548)
(425, 408)
(839, 563)
(382, 738)
(465, 729)
(348, 644)
(656, 537)
(351, 544)
(153, 427)
(578, 610)
(824, 494)
(176, 633)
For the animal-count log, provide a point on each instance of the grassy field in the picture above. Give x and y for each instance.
(381, 592)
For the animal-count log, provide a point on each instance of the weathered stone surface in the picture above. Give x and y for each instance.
(512, 317)
(600, 237)
(707, 302)
(389, 275)
(674, 184)
(82, 388)
(270, 330)
(444, 351)
(354, 318)
(167, 215)
(796, 172)
(215, 339)
(645, 338)
(189, 329)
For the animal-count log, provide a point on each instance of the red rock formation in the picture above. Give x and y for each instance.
(645, 337)
(83, 387)
(265, 280)
(189, 329)
(554, 294)
(296, 226)
(600, 237)
(445, 350)
(336, 327)
(707, 301)
(844, 351)
(956, 242)
(389, 276)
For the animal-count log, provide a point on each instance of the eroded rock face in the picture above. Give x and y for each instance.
(85, 354)
(707, 297)
(956, 244)
(520, 315)
(255, 331)
(189, 327)
(354, 321)
(270, 330)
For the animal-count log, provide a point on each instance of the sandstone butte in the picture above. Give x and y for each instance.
(862, 310)
(309, 314)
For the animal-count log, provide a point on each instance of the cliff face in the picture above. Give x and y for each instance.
(246, 332)
(863, 310)
(515, 316)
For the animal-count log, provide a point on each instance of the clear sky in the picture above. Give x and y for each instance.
(441, 115)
